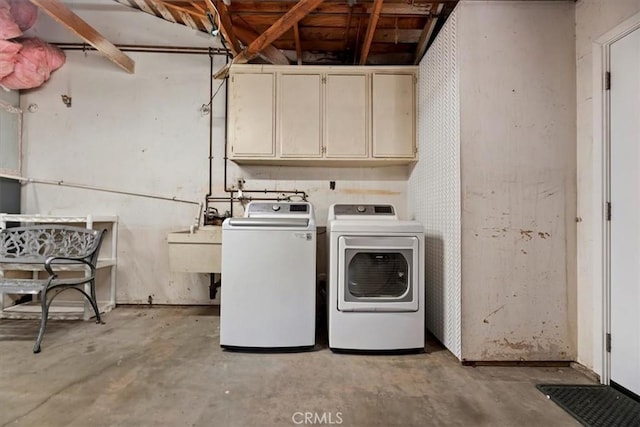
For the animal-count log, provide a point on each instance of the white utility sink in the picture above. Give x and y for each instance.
(197, 252)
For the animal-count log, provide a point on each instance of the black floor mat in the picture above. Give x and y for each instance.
(595, 405)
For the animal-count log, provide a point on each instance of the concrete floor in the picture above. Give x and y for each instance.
(163, 367)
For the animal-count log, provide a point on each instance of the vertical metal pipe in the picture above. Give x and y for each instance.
(226, 159)
(210, 129)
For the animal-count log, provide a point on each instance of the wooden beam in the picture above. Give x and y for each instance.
(187, 20)
(282, 25)
(270, 53)
(427, 31)
(196, 5)
(182, 7)
(387, 35)
(166, 13)
(337, 46)
(371, 29)
(348, 28)
(143, 6)
(296, 35)
(335, 21)
(86, 32)
(225, 25)
(206, 24)
(405, 9)
(341, 7)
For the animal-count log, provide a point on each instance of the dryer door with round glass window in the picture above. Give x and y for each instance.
(378, 273)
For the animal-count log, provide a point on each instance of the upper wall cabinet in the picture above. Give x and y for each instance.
(331, 116)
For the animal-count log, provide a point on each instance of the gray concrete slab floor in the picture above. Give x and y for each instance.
(162, 366)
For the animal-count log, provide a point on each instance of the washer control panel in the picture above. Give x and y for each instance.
(278, 209)
(384, 210)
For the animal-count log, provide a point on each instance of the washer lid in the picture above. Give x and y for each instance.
(268, 222)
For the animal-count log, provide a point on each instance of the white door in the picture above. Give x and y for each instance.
(625, 215)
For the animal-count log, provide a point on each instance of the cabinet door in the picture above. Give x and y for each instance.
(346, 116)
(394, 127)
(251, 115)
(299, 117)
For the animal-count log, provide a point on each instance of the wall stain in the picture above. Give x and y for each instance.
(520, 345)
(526, 234)
(485, 320)
(536, 348)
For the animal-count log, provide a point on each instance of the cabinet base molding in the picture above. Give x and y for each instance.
(325, 162)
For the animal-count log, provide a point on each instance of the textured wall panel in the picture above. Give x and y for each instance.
(434, 185)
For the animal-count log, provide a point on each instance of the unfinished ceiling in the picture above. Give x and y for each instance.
(381, 32)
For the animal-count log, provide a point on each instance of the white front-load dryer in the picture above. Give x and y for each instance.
(375, 283)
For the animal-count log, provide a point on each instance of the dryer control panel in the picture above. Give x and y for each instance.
(361, 210)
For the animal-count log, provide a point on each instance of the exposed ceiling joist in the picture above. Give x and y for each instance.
(388, 35)
(371, 28)
(348, 28)
(270, 53)
(402, 9)
(423, 41)
(198, 7)
(164, 11)
(186, 7)
(63, 15)
(325, 32)
(188, 19)
(144, 6)
(282, 25)
(225, 25)
(271, 7)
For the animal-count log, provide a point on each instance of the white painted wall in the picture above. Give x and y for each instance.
(593, 19)
(145, 133)
(517, 85)
(516, 95)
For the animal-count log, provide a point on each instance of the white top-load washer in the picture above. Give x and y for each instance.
(375, 284)
(268, 293)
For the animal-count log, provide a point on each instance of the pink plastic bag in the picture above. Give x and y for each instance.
(8, 27)
(8, 56)
(24, 13)
(35, 62)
